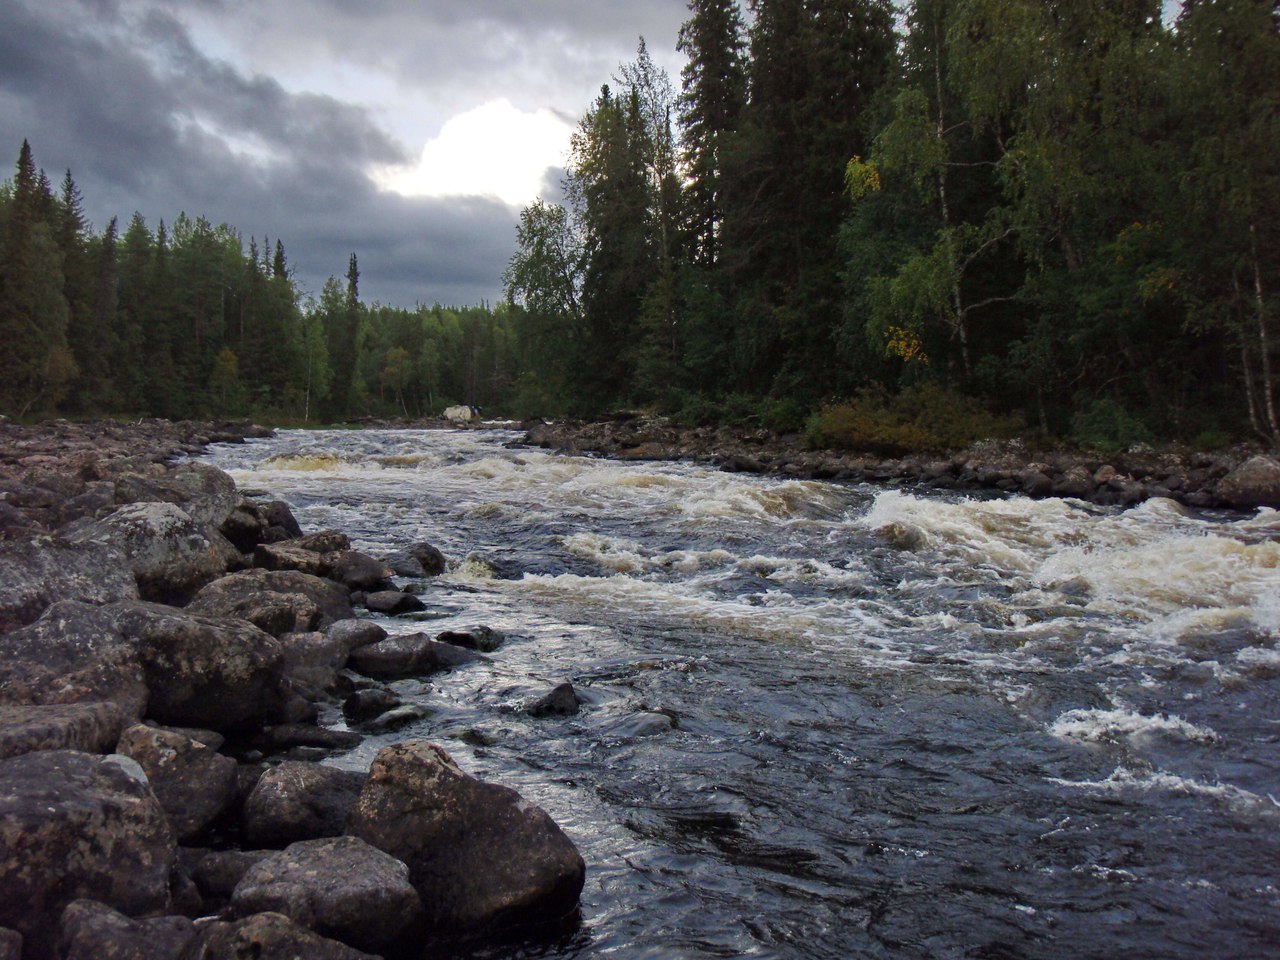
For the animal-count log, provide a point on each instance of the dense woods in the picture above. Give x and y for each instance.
(1031, 215)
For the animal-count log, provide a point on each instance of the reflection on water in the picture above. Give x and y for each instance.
(843, 721)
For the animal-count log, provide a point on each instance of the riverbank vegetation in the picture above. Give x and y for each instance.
(961, 217)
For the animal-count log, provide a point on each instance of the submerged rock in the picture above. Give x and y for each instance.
(561, 702)
(411, 655)
(484, 639)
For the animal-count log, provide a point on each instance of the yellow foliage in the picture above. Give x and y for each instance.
(860, 179)
(906, 345)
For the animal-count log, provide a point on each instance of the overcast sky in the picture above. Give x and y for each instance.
(408, 131)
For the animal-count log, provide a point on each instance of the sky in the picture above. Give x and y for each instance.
(410, 132)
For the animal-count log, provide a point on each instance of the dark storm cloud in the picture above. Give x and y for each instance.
(148, 122)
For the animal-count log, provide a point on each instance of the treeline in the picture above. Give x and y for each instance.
(1063, 208)
(186, 321)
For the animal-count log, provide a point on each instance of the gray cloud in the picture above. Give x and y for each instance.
(124, 93)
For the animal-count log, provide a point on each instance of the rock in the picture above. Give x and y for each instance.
(412, 655)
(245, 526)
(354, 633)
(312, 661)
(484, 639)
(35, 575)
(480, 856)
(359, 571)
(76, 826)
(94, 931)
(324, 541)
(217, 872)
(266, 936)
(560, 702)
(367, 704)
(340, 887)
(285, 735)
(75, 653)
(299, 801)
(430, 561)
(1035, 483)
(397, 718)
(1077, 483)
(273, 613)
(1255, 483)
(220, 674)
(205, 493)
(459, 414)
(88, 727)
(194, 784)
(10, 944)
(279, 515)
(289, 556)
(331, 599)
(170, 554)
(393, 602)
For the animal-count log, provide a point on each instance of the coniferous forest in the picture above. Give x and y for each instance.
(944, 218)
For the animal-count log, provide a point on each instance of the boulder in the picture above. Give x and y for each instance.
(484, 639)
(37, 574)
(88, 727)
(194, 784)
(94, 931)
(397, 718)
(480, 856)
(278, 515)
(289, 556)
(560, 702)
(203, 491)
(75, 826)
(10, 944)
(459, 413)
(340, 887)
(418, 560)
(324, 541)
(245, 526)
(299, 801)
(331, 599)
(284, 736)
(219, 674)
(312, 661)
(357, 570)
(273, 613)
(393, 602)
(266, 936)
(1255, 483)
(170, 554)
(75, 653)
(367, 704)
(217, 872)
(411, 655)
(355, 633)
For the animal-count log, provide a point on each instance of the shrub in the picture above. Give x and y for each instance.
(1106, 425)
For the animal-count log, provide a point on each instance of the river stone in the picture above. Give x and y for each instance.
(560, 702)
(357, 570)
(332, 599)
(299, 801)
(219, 674)
(170, 554)
(273, 613)
(312, 661)
(354, 633)
(393, 602)
(480, 856)
(283, 736)
(218, 872)
(78, 826)
(74, 653)
(484, 639)
(88, 727)
(397, 718)
(36, 574)
(367, 704)
(340, 887)
(10, 944)
(324, 541)
(194, 784)
(94, 931)
(266, 936)
(203, 491)
(418, 560)
(1255, 483)
(245, 526)
(411, 655)
(279, 515)
(289, 556)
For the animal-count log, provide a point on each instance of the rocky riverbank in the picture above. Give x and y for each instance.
(166, 649)
(1241, 478)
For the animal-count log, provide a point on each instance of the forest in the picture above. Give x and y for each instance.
(927, 221)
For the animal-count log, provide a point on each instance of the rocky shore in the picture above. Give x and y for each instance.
(166, 649)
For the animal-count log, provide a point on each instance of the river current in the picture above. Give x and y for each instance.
(841, 721)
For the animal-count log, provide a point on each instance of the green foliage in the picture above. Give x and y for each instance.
(1107, 425)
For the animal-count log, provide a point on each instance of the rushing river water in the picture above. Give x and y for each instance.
(834, 721)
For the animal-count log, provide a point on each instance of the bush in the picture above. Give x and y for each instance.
(921, 417)
(1105, 425)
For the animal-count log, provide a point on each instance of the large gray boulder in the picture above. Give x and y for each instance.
(410, 655)
(340, 887)
(480, 856)
(332, 599)
(36, 574)
(193, 783)
(94, 931)
(266, 936)
(312, 661)
(1255, 483)
(170, 554)
(75, 826)
(89, 727)
(357, 570)
(205, 493)
(418, 560)
(74, 653)
(299, 801)
(274, 613)
(219, 674)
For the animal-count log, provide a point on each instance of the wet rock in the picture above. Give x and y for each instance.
(299, 801)
(193, 783)
(397, 718)
(359, 571)
(273, 613)
(412, 655)
(331, 599)
(1077, 483)
(560, 702)
(203, 491)
(35, 575)
(1255, 483)
(266, 936)
(325, 541)
(354, 633)
(75, 826)
(284, 736)
(94, 931)
(484, 639)
(245, 526)
(393, 602)
(75, 653)
(647, 723)
(1035, 483)
(340, 887)
(88, 727)
(289, 556)
(418, 560)
(312, 661)
(170, 554)
(367, 704)
(480, 856)
(278, 515)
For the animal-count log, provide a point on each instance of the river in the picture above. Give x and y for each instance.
(841, 721)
